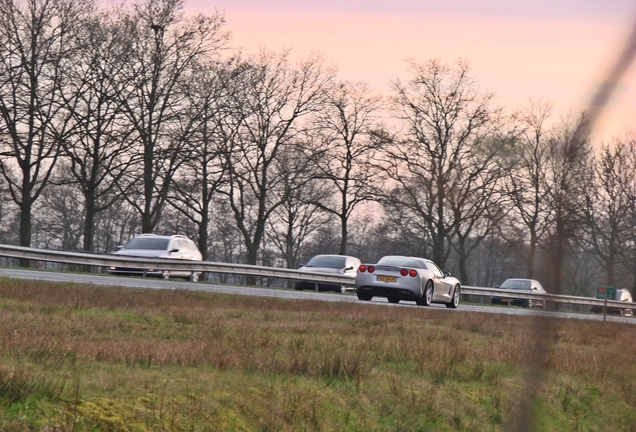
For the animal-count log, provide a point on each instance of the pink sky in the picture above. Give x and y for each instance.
(552, 49)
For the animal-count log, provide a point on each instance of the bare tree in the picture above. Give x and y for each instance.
(526, 183)
(294, 222)
(210, 116)
(37, 39)
(274, 100)
(606, 207)
(476, 201)
(348, 127)
(627, 248)
(163, 46)
(101, 150)
(59, 217)
(566, 173)
(447, 120)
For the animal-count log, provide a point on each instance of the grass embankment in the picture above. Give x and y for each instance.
(77, 358)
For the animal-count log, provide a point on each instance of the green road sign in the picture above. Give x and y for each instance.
(606, 293)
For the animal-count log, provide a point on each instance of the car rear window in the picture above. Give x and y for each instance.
(148, 244)
(327, 261)
(402, 262)
(516, 284)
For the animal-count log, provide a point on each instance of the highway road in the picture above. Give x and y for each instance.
(153, 283)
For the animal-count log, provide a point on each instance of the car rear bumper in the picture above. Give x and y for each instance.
(304, 285)
(517, 302)
(123, 271)
(385, 291)
(134, 271)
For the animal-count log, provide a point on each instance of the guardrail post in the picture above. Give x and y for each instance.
(316, 285)
(605, 310)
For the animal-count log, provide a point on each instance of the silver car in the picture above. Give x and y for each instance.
(407, 278)
(341, 265)
(157, 246)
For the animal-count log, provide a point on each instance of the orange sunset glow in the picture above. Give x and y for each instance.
(532, 54)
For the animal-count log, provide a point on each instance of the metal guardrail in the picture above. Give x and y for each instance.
(567, 299)
(106, 260)
(168, 264)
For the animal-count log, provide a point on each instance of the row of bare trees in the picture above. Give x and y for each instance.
(140, 119)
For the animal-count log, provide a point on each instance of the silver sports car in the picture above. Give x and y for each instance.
(407, 278)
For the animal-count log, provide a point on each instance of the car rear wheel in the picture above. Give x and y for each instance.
(455, 300)
(393, 300)
(427, 295)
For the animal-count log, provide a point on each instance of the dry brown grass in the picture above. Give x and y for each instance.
(415, 356)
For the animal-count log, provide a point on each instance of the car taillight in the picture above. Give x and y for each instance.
(371, 269)
(362, 268)
(413, 273)
(404, 272)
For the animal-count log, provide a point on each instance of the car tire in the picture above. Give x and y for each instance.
(455, 300)
(427, 295)
(194, 277)
(165, 275)
(393, 300)
(364, 297)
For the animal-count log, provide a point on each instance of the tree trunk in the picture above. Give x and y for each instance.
(438, 242)
(89, 223)
(25, 225)
(463, 258)
(531, 255)
(343, 235)
(203, 230)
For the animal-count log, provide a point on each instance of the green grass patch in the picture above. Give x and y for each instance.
(85, 358)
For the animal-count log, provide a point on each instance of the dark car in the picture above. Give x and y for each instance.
(529, 285)
(341, 265)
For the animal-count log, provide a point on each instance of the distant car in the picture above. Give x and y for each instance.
(341, 265)
(621, 295)
(158, 246)
(407, 278)
(529, 285)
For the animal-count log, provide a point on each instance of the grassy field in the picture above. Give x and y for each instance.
(81, 358)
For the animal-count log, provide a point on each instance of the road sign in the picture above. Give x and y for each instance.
(606, 293)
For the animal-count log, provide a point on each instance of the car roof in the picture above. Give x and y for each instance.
(335, 255)
(405, 256)
(163, 236)
(408, 257)
(522, 279)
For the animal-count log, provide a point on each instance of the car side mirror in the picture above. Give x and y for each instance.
(119, 247)
(497, 286)
(447, 274)
(301, 265)
(535, 289)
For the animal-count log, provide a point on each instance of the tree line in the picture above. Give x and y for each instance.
(137, 118)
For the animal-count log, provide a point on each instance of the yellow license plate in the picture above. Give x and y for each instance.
(387, 279)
